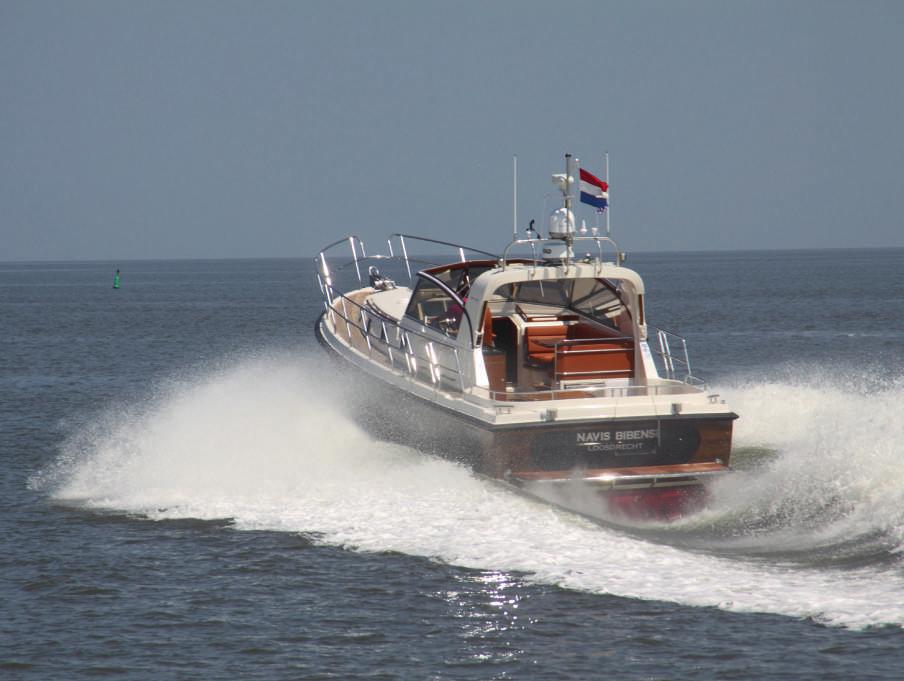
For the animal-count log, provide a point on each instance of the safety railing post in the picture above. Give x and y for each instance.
(348, 328)
(405, 256)
(385, 337)
(365, 330)
(687, 360)
(351, 242)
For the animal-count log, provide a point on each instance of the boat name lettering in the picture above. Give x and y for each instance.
(593, 436)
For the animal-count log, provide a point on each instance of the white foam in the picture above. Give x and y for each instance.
(837, 474)
(264, 443)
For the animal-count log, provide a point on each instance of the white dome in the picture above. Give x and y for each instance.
(561, 223)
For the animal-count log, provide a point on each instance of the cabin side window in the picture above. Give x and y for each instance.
(433, 307)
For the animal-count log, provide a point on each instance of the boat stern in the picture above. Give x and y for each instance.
(660, 493)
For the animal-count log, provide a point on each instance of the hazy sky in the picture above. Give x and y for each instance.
(246, 129)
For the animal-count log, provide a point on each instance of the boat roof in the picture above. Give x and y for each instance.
(526, 270)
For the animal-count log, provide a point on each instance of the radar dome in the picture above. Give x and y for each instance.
(561, 223)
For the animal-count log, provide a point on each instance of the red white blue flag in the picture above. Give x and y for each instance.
(594, 191)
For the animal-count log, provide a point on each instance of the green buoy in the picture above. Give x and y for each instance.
(116, 279)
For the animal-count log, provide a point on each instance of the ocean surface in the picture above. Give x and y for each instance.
(185, 497)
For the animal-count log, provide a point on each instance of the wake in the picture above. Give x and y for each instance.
(820, 476)
(265, 441)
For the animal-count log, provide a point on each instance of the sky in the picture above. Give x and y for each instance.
(142, 130)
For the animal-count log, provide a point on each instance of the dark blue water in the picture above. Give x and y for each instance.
(183, 496)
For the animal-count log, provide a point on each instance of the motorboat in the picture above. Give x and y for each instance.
(536, 366)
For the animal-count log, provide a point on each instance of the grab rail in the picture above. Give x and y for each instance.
(425, 352)
(676, 364)
(404, 249)
(598, 240)
(395, 342)
(635, 389)
(352, 241)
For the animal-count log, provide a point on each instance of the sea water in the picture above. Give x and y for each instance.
(185, 496)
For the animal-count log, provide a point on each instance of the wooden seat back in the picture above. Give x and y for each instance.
(594, 359)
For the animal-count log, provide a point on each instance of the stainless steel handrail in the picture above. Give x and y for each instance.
(351, 241)
(436, 367)
(599, 240)
(403, 337)
(355, 242)
(404, 248)
(676, 364)
(635, 389)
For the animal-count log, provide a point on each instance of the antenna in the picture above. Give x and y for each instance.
(515, 197)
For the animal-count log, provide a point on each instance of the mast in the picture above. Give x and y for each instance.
(569, 233)
(567, 190)
(609, 200)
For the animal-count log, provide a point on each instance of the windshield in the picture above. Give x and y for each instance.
(459, 278)
(432, 306)
(599, 299)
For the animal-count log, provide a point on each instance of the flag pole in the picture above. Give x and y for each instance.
(609, 200)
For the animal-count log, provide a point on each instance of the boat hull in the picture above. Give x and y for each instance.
(641, 468)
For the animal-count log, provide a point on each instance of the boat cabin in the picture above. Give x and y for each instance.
(535, 327)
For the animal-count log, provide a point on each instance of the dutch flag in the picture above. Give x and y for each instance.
(594, 191)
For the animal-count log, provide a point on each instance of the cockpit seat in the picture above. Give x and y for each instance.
(540, 343)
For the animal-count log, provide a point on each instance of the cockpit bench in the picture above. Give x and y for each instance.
(583, 359)
(578, 351)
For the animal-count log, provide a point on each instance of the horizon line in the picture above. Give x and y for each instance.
(311, 257)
